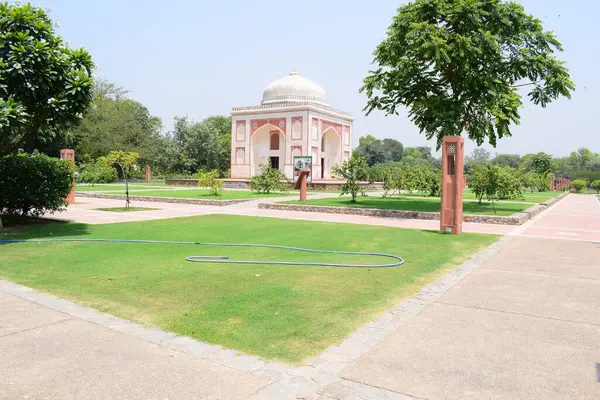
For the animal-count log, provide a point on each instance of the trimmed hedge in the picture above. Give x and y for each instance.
(33, 184)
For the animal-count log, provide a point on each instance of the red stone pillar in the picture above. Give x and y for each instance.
(302, 184)
(69, 155)
(552, 182)
(148, 174)
(451, 212)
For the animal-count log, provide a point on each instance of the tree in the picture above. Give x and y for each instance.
(372, 150)
(269, 180)
(203, 145)
(579, 185)
(542, 164)
(116, 122)
(377, 151)
(596, 185)
(394, 150)
(495, 182)
(210, 180)
(45, 86)
(479, 155)
(507, 160)
(125, 161)
(458, 65)
(414, 156)
(352, 171)
(483, 181)
(99, 172)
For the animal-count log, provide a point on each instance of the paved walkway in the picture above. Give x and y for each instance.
(518, 321)
(86, 212)
(526, 325)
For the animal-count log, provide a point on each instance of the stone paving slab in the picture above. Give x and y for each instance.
(76, 359)
(455, 352)
(551, 257)
(17, 315)
(560, 297)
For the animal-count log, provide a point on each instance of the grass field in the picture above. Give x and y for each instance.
(414, 204)
(123, 209)
(536, 197)
(286, 313)
(98, 188)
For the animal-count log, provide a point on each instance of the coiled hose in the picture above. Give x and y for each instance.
(225, 259)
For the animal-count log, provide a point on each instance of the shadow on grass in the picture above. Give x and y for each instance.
(16, 227)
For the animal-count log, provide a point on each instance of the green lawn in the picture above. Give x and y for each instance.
(286, 313)
(123, 209)
(205, 194)
(413, 204)
(98, 188)
(535, 197)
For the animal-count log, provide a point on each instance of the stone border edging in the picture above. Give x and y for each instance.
(321, 375)
(515, 219)
(153, 199)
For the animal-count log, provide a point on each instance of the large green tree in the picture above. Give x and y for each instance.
(376, 151)
(458, 65)
(117, 122)
(45, 86)
(203, 145)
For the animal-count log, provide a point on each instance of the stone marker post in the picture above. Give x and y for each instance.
(69, 155)
(148, 174)
(453, 182)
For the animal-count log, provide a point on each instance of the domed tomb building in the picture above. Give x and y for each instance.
(293, 119)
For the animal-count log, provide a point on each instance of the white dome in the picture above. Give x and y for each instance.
(293, 88)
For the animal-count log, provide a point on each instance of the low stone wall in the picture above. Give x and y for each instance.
(182, 182)
(236, 184)
(515, 219)
(153, 199)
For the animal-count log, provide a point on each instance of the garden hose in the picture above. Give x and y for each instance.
(225, 259)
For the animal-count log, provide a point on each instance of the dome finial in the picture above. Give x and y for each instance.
(294, 72)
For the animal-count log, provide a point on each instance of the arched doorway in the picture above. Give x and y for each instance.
(331, 153)
(268, 147)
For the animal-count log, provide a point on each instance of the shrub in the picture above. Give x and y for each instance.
(210, 180)
(99, 172)
(495, 182)
(534, 181)
(353, 171)
(33, 184)
(269, 180)
(596, 185)
(422, 178)
(579, 184)
(508, 183)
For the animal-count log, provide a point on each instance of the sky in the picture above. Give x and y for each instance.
(201, 58)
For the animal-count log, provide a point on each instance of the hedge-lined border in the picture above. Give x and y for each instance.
(153, 199)
(515, 219)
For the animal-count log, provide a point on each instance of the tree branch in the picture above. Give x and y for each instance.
(525, 84)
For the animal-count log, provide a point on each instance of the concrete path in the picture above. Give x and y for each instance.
(526, 325)
(51, 355)
(86, 212)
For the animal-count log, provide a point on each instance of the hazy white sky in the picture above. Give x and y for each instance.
(201, 58)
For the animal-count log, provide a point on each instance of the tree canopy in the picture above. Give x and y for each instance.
(458, 65)
(115, 122)
(45, 86)
(202, 145)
